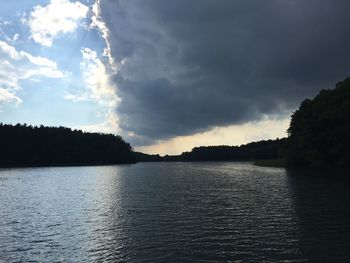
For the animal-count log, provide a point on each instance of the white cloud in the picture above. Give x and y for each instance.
(15, 37)
(8, 97)
(6, 31)
(75, 98)
(5, 22)
(40, 61)
(7, 50)
(61, 16)
(98, 86)
(20, 65)
(99, 24)
(109, 125)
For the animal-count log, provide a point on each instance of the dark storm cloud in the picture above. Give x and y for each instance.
(191, 65)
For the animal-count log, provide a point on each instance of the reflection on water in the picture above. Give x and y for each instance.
(174, 212)
(322, 205)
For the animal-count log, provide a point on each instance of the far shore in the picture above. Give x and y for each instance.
(281, 163)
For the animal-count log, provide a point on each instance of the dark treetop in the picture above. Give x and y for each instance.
(23, 145)
(319, 132)
(270, 149)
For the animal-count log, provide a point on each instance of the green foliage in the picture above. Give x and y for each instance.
(319, 132)
(23, 145)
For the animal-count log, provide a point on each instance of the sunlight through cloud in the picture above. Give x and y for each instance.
(267, 128)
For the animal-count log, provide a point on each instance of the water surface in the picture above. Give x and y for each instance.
(174, 212)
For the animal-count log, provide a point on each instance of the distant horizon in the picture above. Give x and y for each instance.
(140, 150)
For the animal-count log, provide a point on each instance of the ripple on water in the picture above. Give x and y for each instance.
(173, 212)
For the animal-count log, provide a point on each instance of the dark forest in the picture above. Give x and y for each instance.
(23, 145)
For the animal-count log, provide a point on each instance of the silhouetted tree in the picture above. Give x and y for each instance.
(23, 145)
(143, 157)
(269, 149)
(319, 132)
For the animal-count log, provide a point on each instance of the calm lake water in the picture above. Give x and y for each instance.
(174, 212)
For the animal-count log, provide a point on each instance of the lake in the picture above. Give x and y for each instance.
(174, 212)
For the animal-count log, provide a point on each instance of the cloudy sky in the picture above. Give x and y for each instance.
(169, 75)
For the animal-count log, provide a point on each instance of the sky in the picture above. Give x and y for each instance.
(169, 75)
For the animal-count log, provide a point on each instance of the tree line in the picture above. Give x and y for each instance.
(267, 149)
(23, 145)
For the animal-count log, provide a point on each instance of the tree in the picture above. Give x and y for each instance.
(319, 132)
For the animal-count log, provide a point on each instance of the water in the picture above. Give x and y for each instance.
(173, 212)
